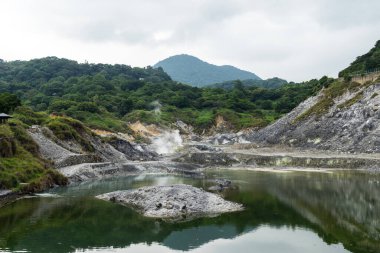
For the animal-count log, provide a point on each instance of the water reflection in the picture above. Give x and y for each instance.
(264, 239)
(344, 205)
(285, 212)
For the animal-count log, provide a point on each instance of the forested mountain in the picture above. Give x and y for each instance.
(191, 70)
(367, 62)
(108, 96)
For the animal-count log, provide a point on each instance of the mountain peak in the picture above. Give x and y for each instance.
(196, 72)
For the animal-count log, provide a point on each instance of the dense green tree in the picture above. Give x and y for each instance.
(88, 107)
(8, 102)
(61, 105)
(125, 106)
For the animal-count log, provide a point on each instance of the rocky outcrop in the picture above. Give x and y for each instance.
(351, 122)
(178, 202)
(7, 196)
(56, 153)
(69, 153)
(77, 159)
(133, 152)
(228, 138)
(184, 128)
(90, 171)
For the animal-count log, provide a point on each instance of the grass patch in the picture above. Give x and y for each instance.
(351, 101)
(244, 120)
(205, 119)
(67, 129)
(336, 89)
(148, 117)
(5, 131)
(29, 117)
(7, 142)
(24, 139)
(22, 169)
(103, 120)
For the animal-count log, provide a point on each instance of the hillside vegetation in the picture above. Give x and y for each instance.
(270, 83)
(21, 167)
(109, 96)
(367, 62)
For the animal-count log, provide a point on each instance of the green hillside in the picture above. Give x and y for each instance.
(367, 62)
(108, 96)
(21, 167)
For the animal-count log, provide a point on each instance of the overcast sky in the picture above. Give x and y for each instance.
(293, 39)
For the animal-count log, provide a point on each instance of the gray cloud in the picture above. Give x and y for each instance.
(293, 39)
(335, 14)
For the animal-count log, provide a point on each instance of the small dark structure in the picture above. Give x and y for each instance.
(4, 117)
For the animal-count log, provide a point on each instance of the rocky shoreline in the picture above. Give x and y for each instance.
(8, 196)
(94, 171)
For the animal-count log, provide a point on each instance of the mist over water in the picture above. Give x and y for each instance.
(167, 143)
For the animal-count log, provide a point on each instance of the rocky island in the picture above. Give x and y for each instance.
(173, 202)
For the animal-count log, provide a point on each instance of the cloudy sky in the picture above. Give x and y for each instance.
(293, 39)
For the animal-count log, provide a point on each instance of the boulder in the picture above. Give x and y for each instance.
(221, 185)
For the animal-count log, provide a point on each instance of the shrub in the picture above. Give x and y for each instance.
(8, 102)
(67, 129)
(25, 140)
(88, 107)
(205, 119)
(29, 117)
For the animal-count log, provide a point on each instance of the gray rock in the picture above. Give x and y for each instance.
(221, 185)
(48, 148)
(205, 147)
(133, 152)
(5, 192)
(228, 138)
(183, 127)
(175, 202)
(198, 138)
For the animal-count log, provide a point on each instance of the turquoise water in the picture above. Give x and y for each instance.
(285, 212)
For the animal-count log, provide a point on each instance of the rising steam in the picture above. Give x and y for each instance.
(156, 107)
(167, 143)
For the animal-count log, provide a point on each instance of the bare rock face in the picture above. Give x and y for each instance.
(175, 202)
(351, 124)
(69, 153)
